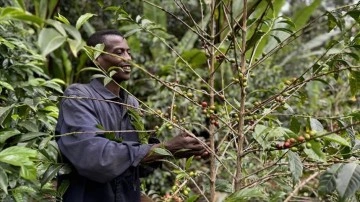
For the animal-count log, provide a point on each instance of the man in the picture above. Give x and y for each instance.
(106, 170)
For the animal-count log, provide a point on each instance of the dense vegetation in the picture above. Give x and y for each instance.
(273, 85)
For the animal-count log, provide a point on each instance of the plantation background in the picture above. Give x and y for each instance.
(272, 85)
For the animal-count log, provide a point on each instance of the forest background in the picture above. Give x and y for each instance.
(272, 85)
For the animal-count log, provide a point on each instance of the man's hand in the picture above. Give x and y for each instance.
(184, 146)
(181, 146)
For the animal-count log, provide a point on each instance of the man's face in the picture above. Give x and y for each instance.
(118, 46)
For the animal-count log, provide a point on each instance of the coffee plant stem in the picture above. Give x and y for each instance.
(241, 136)
(211, 84)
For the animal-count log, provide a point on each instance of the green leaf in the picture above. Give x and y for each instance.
(223, 185)
(316, 125)
(162, 151)
(49, 40)
(327, 180)
(315, 152)
(4, 112)
(138, 124)
(332, 22)
(302, 15)
(288, 21)
(82, 19)
(188, 162)
(260, 134)
(62, 19)
(50, 173)
(192, 198)
(247, 194)
(295, 166)
(348, 180)
(95, 69)
(195, 57)
(354, 80)
(6, 85)
(7, 133)
(283, 30)
(21, 4)
(28, 172)
(255, 38)
(32, 135)
(336, 138)
(73, 32)
(63, 187)
(4, 181)
(295, 125)
(29, 125)
(44, 142)
(57, 25)
(17, 155)
(98, 50)
(355, 14)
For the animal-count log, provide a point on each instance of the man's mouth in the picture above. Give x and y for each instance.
(126, 69)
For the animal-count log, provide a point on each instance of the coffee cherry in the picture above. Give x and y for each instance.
(307, 136)
(294, 149)
(204, 104)
(308, 145)
(301, 138)
(313, 132)
(292, 140)
(287, 144)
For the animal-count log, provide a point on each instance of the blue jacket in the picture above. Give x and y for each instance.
(103, 170)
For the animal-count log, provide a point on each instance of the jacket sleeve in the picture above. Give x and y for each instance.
(93, 156)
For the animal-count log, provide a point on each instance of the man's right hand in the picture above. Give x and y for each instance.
(184, 146)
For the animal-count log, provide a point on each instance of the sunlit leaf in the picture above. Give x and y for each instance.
(49, 40)
(57, 26)
(82, 19)
(7, 133)
(295, 166)
(95, 69)
(6, 85)
(63, 19)
(316, 125)
(28, 172)
(162, 151)
(17, 155)
(338, 139)
(188, 162)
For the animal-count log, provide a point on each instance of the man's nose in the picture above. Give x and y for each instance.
(127, 56)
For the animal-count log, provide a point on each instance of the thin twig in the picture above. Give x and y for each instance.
(299, 186)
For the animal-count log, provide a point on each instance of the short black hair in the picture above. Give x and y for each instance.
(99, 36)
